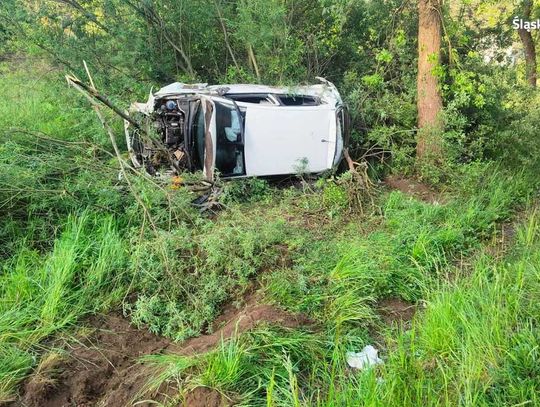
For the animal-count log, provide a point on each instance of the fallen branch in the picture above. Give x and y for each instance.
(361, 187)
(92, 94)
(89, 93)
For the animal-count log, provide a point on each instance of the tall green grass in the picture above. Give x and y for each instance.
(404, 252)
(41, 294)
(474, 344)
(455, 354)
(54, 157)
(37, 98)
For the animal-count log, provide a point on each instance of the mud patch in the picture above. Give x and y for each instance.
(414, 188)
(101, 369)
(396, 311)
(205, 397)
(234, 321)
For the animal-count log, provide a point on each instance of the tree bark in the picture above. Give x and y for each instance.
(429, 102)
(253, 60)
(528, 46)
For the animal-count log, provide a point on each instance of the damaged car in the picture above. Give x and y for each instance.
(239, 130)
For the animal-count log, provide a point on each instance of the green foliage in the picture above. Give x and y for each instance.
(468, 345)
(54, 158)
(475, 342)
(225, 366)
(245, 190)
(76, 238)
(59, 259)
(241, 40)
(367, 48)
(334, 197)
(405, 256)
(285, 286)
(164, 368)
(516, 145)
(15, 365)
(184, 275)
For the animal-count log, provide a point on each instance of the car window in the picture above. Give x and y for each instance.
(298, 100)
(229, 143)
(259, 98)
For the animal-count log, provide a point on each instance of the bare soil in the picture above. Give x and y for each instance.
(235, 321)
(414, 188)
(396, 311)
(103, 370)
(205, 397)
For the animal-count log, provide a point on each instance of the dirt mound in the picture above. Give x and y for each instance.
(102, 369)
(233, 321)
(414, 188)
(244, 320)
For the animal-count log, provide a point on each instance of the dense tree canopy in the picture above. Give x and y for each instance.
(368, 48)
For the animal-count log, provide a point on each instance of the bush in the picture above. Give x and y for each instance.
(183, 276)
(245, 190)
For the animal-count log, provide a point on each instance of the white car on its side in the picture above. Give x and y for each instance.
(239, 130)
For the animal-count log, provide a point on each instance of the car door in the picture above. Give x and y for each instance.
(283, 140)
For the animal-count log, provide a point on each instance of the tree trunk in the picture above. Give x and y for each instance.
(429, 102)
(528, 46)
(253, 60)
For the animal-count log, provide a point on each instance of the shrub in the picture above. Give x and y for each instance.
(183, 276)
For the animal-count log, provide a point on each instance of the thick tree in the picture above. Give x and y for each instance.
(429, 102)
(528, 45)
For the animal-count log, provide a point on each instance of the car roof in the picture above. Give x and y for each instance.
(325, 90)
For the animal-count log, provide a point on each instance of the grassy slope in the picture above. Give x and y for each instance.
(476, 342)
(41, 294)
(409, 252)
(46, 284)
(184, 270)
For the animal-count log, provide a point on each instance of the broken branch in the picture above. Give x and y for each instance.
(94, 94)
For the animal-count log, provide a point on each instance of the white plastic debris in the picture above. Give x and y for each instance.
(361, 360)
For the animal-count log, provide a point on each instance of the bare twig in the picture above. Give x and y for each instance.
(362, 187)
(89, 93)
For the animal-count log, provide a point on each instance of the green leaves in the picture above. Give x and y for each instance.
(373, 81)
(43, 294)
(384, 56)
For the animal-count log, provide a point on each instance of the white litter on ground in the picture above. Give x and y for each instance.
(367, 358)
